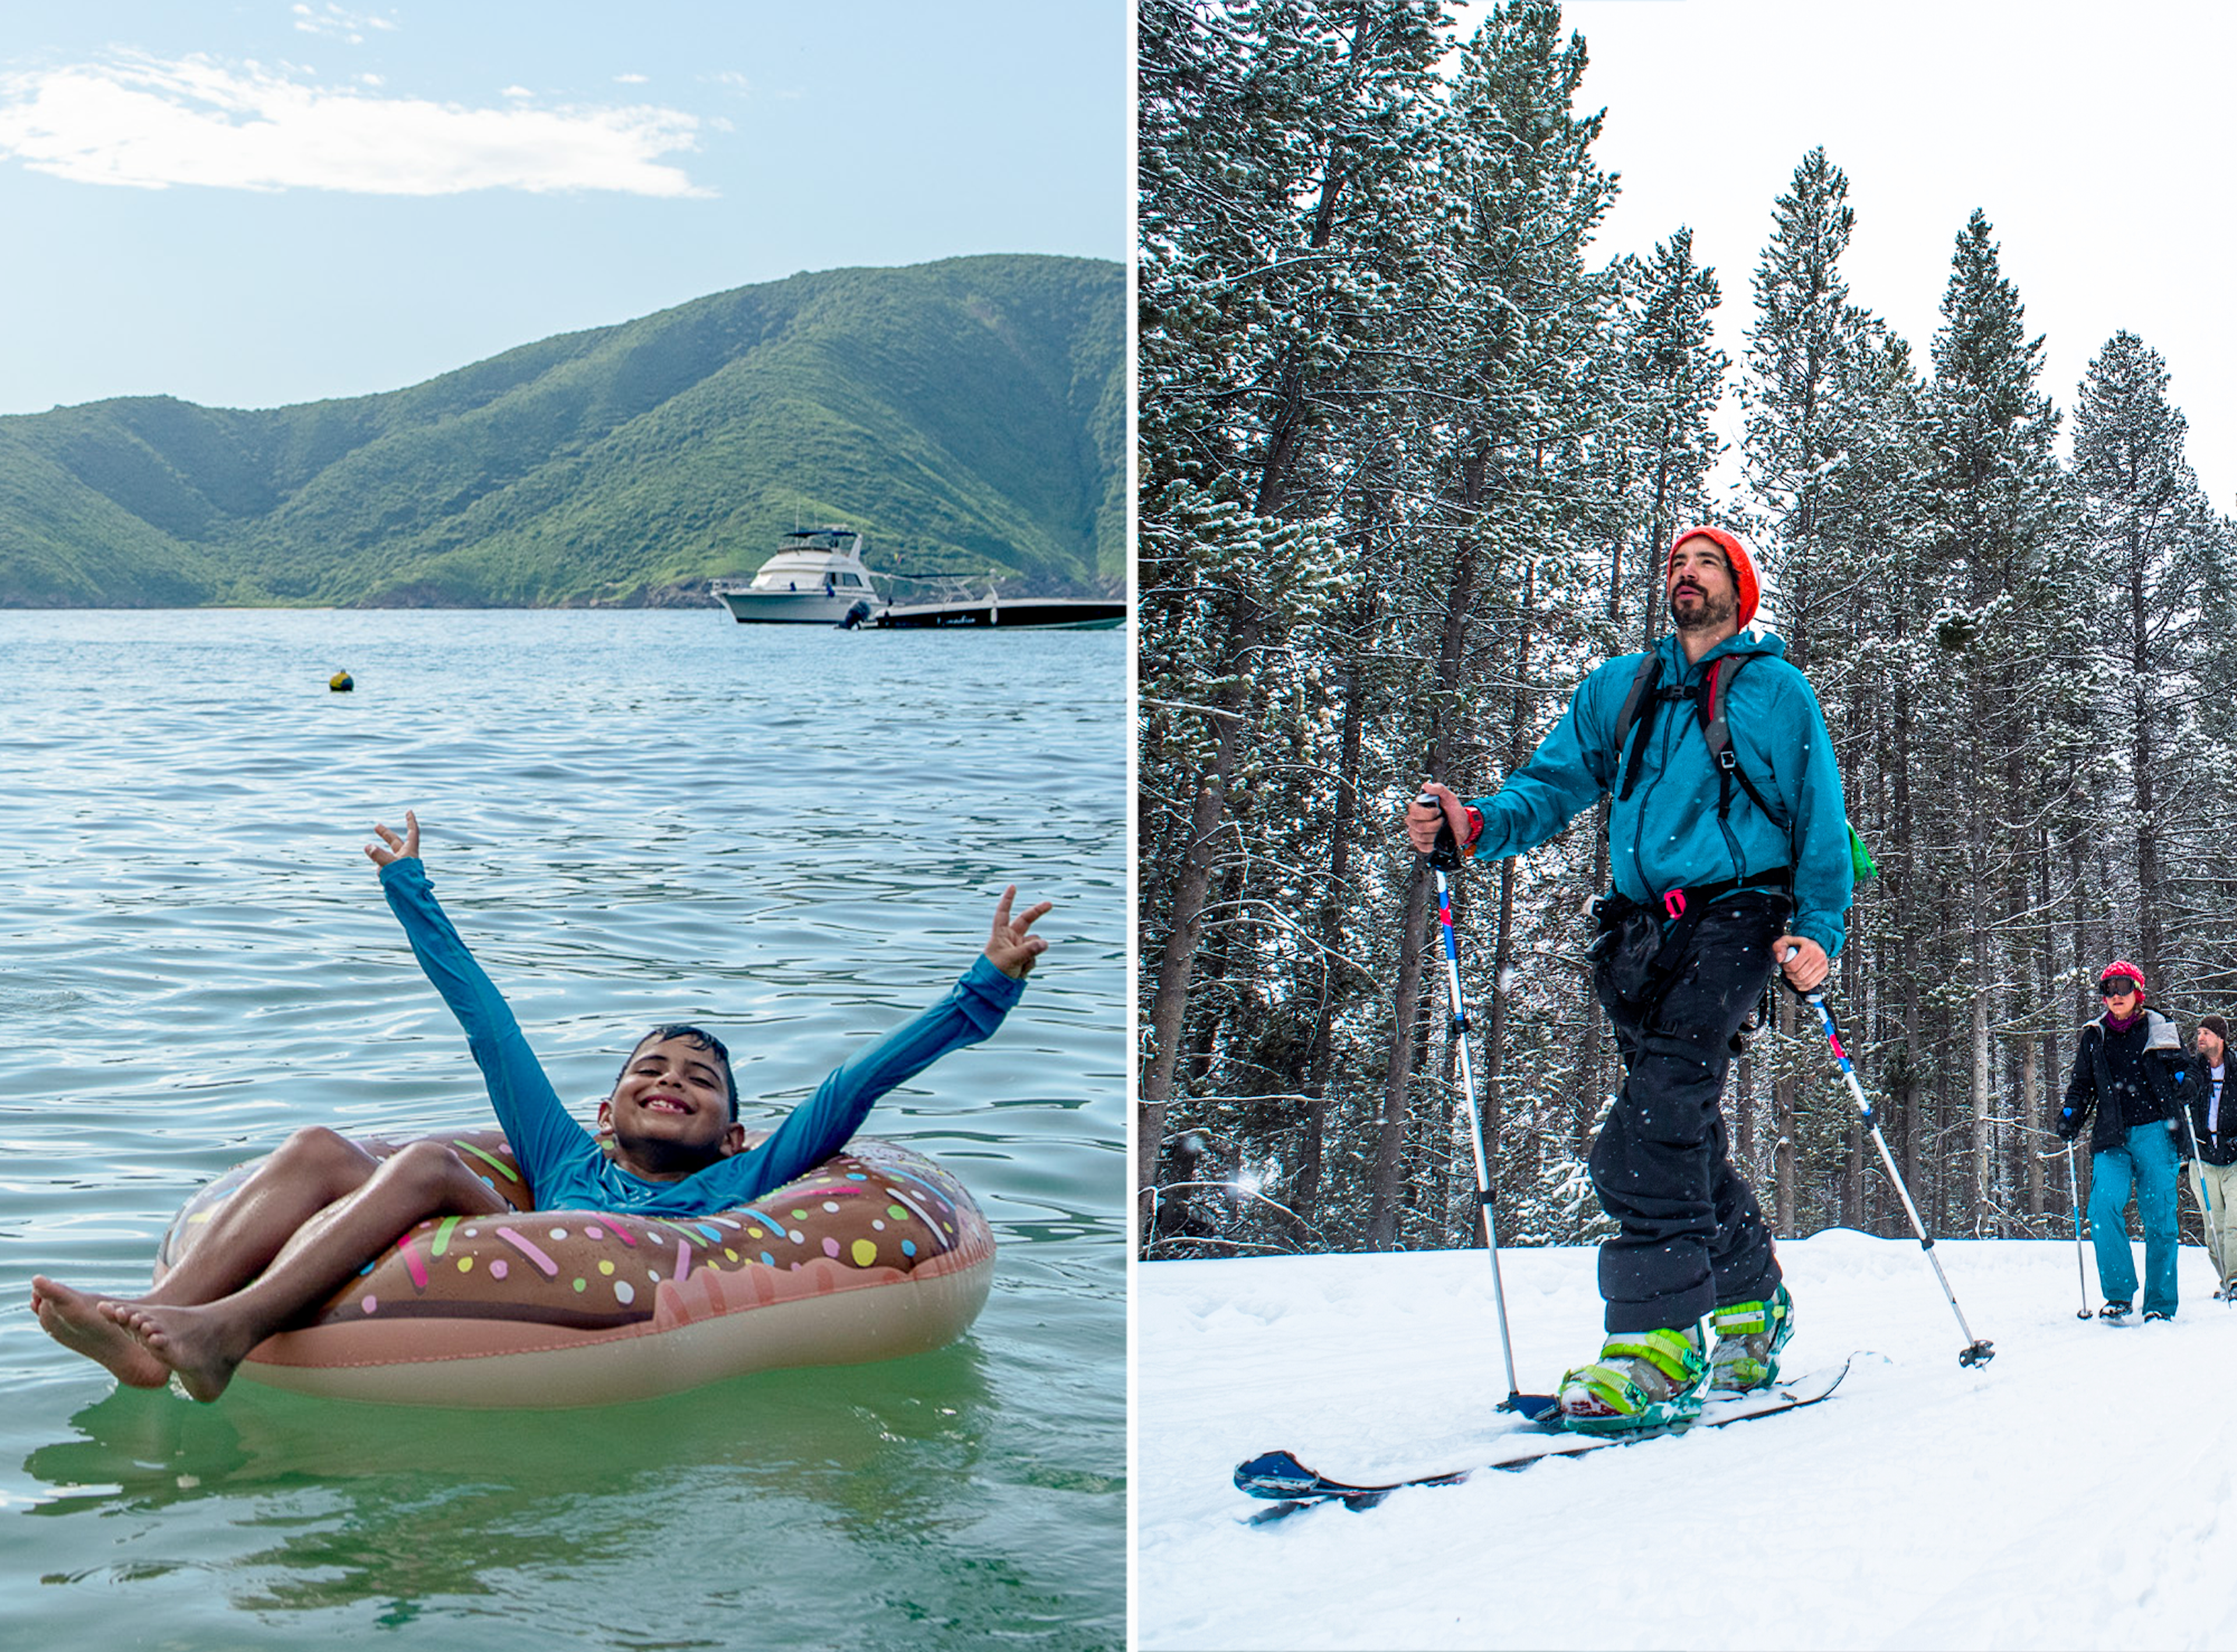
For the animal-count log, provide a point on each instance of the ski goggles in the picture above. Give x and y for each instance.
(2117, 987)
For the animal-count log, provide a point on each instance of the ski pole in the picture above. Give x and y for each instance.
(1977, 1353)
(1444, 858)
(2074, 1197)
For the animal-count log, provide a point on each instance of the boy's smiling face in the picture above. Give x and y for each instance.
(669, 1112)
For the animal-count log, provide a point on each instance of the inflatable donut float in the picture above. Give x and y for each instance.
(875, 1254)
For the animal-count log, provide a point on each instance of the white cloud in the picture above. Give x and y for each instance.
(338, 24)
(632, 80)
(146, 124)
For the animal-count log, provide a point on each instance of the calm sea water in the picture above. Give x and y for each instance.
(633, 818)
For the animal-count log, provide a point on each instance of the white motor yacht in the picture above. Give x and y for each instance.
(815, 578)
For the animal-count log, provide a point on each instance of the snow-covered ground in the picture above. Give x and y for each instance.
(2080, 1490)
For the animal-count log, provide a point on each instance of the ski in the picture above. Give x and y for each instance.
(1279, 1477)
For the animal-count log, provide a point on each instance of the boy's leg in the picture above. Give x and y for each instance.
(2152, 1146)
(204, 1344)
(2109, 1177)
(311, 1170)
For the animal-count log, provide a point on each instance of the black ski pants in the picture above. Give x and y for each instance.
(1691, 1235)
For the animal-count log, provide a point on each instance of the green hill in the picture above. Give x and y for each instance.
(968, 416)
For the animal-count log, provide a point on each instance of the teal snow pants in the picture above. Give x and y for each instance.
(2148, 1162)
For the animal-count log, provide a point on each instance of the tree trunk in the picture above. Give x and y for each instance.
(2031, 1089)
(2150, 895)
(1983, 1181)
(1169, 1003)
(1398, 1073)
(1979, 879)
(1495, 1042)
(1305, 1186)
(1744, 1116)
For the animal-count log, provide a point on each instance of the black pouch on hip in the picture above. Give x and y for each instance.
(1628, 940)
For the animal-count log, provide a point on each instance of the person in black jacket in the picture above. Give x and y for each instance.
(2213, 1129)
(2129, 1070)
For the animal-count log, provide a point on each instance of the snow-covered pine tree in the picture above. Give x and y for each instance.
(1833, 458)
(2203, 848)
(2202, 886)
(1279, 156)
(2143, 533)
(1674, 378)
(1651, 461)
(1993, 496)
(1518, 349)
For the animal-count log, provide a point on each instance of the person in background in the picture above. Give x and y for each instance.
(2213, 1131)
(2129, 1070)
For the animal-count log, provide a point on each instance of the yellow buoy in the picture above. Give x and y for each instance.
(341, 682)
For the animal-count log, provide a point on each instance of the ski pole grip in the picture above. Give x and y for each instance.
(1816, 997)
(1446, 856)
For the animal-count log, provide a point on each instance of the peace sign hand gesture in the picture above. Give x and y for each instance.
(1010, 949)
(406, 848)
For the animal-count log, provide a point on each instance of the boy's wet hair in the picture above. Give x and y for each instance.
(701, 1039)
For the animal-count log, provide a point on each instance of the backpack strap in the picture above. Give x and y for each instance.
(1716, 733)
(1642, 698)
(1636, 724)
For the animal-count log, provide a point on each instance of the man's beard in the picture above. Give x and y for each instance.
(1705, 615)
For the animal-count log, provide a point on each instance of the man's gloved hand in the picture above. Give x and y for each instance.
(2069, 1124)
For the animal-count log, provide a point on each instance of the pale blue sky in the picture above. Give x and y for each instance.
(262, 201)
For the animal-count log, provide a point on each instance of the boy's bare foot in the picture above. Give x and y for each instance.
(75, 1319)
(199, 1344)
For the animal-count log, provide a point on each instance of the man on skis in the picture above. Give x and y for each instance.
(2129, 1070)
(1729, 846)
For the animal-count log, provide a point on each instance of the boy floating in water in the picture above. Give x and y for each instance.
(314, 1213)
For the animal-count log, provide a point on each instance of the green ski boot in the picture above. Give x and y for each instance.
(1643, 1379)
(1749, 1337)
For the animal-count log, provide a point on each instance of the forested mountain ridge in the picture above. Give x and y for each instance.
(967, 415)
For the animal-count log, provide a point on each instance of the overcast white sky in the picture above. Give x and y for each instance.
(2098, 138)
(249, 202)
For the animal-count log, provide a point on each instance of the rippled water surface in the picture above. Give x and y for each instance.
(796, 838)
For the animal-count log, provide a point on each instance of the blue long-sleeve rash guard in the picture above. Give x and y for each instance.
(565, 1167)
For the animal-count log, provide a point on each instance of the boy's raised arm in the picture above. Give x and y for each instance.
(969, 1011)
(535, 1121)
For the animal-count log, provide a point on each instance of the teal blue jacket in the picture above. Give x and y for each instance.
(1666, 834)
